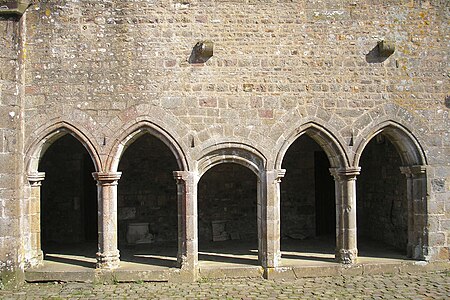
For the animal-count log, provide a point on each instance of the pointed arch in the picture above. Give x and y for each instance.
(325, 139)
(133, 132)
(407, 145)
(232, 152)
(48, 134)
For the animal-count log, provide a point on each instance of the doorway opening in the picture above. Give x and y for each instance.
(69, 229)
(307, 207)
(147, 204)
(382, 206)
(227, 216)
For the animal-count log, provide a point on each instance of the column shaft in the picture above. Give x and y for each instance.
(108, 253)
(417, 247)
(187, 257)
(270, 218)
(346, 238)
(34, 210)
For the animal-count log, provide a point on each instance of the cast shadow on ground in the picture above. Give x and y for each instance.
(70, 261)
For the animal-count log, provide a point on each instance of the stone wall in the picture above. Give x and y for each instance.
(147, 190)
(10, 147)
(105, 65)
(279, 68)
(298, 205)
(228, 193)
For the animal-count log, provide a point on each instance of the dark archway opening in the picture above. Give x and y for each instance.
(307, 208)
(382, 207)
(68, 203)
(227, 215)
(147, 203)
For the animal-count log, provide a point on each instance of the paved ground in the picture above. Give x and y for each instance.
(403, 286)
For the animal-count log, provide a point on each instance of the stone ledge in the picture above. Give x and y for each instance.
(281, 273)
(231, 272)
(292, 273)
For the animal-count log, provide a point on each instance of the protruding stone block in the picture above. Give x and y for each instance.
(13, 7)
(202, 51)
(386, 48)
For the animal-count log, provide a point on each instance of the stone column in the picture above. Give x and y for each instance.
(416, 185)
(270, 218)
(108, 253)
(34, 209)
(345, 190)
(187, 257)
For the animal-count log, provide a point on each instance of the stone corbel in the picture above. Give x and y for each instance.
(13, 7)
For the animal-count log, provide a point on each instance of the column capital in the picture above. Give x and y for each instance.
(35, 178)
(415, 170)
(183, 176)
(107, 178)
(348, 173)
(276, 174)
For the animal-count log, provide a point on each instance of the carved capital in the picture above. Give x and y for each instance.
(110, 178)
(279, 174)
(345, 174)
(414, 171)
(183, 176)
(275, 175)
(36, 178)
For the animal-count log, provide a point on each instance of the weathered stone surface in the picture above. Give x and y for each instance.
(104, 71)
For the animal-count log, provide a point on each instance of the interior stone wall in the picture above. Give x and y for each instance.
(298, 206)
(228, 192)
(147, 191)
(382, 207)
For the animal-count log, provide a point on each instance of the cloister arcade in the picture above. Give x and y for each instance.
(227, 203)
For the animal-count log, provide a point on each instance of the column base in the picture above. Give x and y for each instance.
(187, 264)
(271, 261)
(35, 259)
(108, 260)
(420, 252)
(189, 272)
(347, 256)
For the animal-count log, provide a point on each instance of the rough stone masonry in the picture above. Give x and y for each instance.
(345, 73)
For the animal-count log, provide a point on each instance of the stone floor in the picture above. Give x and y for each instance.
(219, 260)
(310, 252)
(430, 285)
